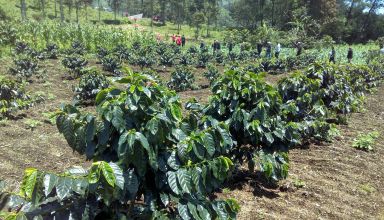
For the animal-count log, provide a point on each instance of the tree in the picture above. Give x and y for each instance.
(198, 20)
(115, 4)
(23, 8)
(62, 10)
(212, 10)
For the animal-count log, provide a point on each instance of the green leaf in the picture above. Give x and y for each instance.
(108, 173)
(77, 171)
(209, 144)
(118, 118)
(153, 126)
(131, 182)
(100, 97)
(50, 182)
(164, 199)
(193, 210)
(183, 211)
(203, 212)
(118, 172)
(176, 112)
(151, 153)
(94, 175)
(64, 188)
(220, 210)
(80, 186)
(29, 182)
(184, 179)
(172, 182)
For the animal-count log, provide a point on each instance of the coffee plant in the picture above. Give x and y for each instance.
(91, 82)
(253, 111)
(149, 162)
(24, 67)
(182, 79)
(211, 74)
(101, 53)
(51, 51)
(13, 97)
(75, 64)
(111, 63)
(77, 48)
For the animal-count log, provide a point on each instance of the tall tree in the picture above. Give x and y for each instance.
(23, 8)
(62, 10)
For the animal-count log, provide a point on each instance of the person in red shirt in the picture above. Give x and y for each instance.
(178, 40)
(173, 38)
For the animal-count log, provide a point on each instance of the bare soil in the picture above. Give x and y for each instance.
(329, 181)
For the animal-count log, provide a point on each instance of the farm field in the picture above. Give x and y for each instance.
(191, 110)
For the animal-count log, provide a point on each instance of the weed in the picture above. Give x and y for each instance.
(365, 141)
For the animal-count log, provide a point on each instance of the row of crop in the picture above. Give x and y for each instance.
(151, 160)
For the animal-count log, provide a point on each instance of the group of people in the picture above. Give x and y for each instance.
(216, 46)
(332, 55)
(179, 40)
(268, 50)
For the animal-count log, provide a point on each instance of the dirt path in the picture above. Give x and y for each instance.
(332, 181)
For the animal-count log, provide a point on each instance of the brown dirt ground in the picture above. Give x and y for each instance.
(338, 181)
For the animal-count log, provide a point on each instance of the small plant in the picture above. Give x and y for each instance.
(122, 52)
(24, 67)
(76, 48)
(182, 79)
(101, 53)
(111, 64)
(211, 74)
(365, 141)
(91, 82)
(32, 124)
(51, 51)
(13, 97)
(203, 59)
(75, 64)
(167, 58)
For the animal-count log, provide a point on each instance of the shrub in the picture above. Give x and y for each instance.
(75, 64)
(13, 97)
(51, 51)
(77, 48)
(253, 111)
(181, 79)
(149, 162)
(111, 63)
(24, 67)
(91, 82)
(211, 74)
(365, 141)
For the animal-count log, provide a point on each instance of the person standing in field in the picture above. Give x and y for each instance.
(173, 38)
(230, 46)
(350, 55)
(183, 40)
(214, 46)
(218, 45)
(202, 44)
(299, 48)
(381, 49)
(178, 40)
(277, 50)
(332, 55)
(259, 48)
(269, 50)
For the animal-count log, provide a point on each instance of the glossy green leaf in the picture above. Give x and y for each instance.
(108, 173)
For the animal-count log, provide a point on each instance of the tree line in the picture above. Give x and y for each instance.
(343, 20)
